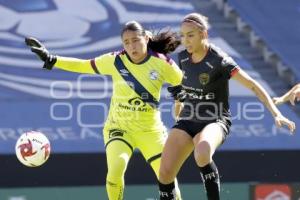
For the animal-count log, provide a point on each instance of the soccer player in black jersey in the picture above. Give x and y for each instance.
(204, 119)
(292, 95)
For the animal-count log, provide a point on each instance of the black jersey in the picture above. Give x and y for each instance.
(206, 84)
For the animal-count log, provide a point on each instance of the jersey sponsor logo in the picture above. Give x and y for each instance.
(135, 104)
(153, 75)
(204, 78)
(116, 133)
(208, 96)
(196, 93)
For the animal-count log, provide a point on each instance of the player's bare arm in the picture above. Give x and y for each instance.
(243, 78)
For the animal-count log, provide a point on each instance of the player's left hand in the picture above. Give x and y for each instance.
(281, 121)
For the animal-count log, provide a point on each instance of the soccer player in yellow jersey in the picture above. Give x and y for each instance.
(138, 73)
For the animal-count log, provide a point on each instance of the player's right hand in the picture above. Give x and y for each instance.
(177, 92)
(40, 50)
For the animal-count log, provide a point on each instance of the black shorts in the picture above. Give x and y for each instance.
(194, 127)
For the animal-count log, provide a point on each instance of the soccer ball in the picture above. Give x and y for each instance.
(33, 149)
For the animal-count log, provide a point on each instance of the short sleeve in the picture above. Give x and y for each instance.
(104, 64)
(229, 66)
(173, 74)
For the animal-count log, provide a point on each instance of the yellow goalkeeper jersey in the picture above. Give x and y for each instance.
(136, 87)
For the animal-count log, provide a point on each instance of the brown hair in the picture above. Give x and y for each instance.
(197, 19)
(162, 42)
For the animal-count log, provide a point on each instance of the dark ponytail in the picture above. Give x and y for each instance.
(162, 42)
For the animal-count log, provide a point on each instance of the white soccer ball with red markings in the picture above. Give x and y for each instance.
(33, 149)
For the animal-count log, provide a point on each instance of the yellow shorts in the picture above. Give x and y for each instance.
(149, 143)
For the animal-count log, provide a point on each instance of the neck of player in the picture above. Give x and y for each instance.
(200, 53)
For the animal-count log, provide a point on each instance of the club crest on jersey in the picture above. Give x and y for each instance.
(204, 78)
(153, 75)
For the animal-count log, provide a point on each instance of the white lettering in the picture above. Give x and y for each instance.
(66, 133)
(7, 133)
(89, 133)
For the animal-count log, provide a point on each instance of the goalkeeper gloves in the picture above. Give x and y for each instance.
(40, 50)
(177, 92)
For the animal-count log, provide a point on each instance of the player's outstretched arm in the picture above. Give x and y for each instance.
(243, 78)
(64, 63)
(292, 95)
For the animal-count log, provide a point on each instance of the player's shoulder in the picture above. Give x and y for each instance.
(218, 54)
(216, 51)
(161, 56)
